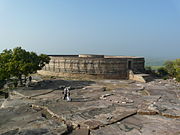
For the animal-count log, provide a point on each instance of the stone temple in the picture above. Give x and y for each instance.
(94, 66)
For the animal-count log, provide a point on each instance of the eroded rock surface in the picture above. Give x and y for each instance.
(99, 107)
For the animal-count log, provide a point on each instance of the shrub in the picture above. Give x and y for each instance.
(173, 68)
(162, 72)
(148, 70)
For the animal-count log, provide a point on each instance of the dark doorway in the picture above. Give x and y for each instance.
(129, 64)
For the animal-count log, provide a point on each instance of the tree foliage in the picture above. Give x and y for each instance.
(19, 62)
(173, 68)
(169, 66)
(162, 71)
(177, 69)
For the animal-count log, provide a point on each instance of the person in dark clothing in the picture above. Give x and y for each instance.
(30, 79)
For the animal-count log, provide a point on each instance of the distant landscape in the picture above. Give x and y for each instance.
(89, 67)
(155, 61)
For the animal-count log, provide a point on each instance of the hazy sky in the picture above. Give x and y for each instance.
(113, 27)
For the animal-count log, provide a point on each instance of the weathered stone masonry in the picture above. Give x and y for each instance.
(100, 66)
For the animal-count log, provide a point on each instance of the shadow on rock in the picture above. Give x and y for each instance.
(81, 99)
(58, 84)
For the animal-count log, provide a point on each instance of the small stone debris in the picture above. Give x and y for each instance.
(105, 95)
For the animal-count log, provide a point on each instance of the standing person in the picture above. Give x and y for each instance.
(68, 94)
(65, 93)
(30, 79)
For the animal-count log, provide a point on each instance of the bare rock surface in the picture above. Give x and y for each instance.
(98, 107)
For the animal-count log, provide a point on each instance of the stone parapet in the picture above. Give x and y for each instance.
(97, 65)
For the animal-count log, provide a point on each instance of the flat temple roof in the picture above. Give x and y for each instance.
(94, 56)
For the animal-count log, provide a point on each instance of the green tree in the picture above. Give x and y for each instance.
(162, 71)
(19, 62)
(5, 57)
(169, 66)
(173, 68)
(177, 69)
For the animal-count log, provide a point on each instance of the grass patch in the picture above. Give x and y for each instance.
(156, 67)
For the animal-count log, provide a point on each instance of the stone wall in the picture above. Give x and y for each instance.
(100, 66)
(138, 65)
